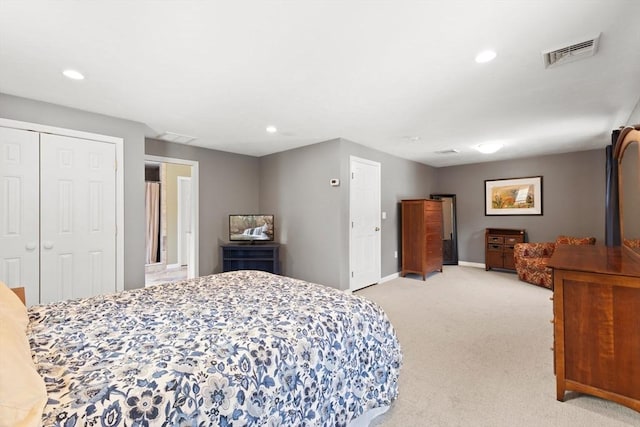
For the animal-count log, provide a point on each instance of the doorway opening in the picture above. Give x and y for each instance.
(171, 219)
(449, 228)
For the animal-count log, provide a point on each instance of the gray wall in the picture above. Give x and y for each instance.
(27, 110)
(312, 217)
(228, 184)
(294, 186)
(573, 198)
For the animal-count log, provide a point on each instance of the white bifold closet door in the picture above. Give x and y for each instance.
(75, 244)
(19, 211)
(78, 218)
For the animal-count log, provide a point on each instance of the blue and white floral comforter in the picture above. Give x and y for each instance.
(239, 348)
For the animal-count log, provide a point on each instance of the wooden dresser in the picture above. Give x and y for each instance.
(498, 249)
(596, 306)
(421, 236)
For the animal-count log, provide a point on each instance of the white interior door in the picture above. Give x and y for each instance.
(184, 220)
(78, 220)
(19, 211)
(365, 240)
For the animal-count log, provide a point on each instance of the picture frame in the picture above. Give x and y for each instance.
(513, 196)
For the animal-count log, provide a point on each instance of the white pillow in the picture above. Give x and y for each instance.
(23, 393)
(12, 308)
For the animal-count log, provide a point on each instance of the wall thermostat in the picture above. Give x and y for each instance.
(334, 182)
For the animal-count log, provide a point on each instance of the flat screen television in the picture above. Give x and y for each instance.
(251, 228)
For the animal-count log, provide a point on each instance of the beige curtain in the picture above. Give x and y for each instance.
(152, 205)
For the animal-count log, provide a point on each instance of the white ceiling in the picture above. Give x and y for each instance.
(397, 76)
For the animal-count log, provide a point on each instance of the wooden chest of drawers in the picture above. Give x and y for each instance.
(421, 236)
(499, 243)
(596, 310)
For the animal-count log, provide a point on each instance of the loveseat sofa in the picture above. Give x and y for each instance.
(531, 259)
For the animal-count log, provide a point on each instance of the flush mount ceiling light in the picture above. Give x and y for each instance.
(73, 75)
(489, 147)
(485, 56)
(272, 129)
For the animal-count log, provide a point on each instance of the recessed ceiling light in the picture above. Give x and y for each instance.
(272, 129)
(412, 138)
(73, 74)
(489, 148)
(485, 56)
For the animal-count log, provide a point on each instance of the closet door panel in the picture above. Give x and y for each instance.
(78, 199)
(19, 211)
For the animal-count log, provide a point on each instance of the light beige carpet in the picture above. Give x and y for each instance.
(476, 348)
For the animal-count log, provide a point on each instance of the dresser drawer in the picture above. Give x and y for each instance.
(495, 239)
(512, 240)
(495, 247)
(434, 236)
(434, 254)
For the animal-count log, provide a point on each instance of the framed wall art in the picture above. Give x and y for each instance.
(513, 196)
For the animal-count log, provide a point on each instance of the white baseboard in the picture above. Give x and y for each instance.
(382, 280)
(397, 274)
(471, 264)
(389, 277)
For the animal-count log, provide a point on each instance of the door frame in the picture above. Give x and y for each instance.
(379, 213)
(193, 266)
(181, 181)
(119, 166)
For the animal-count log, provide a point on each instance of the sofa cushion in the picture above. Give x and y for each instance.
(568, 240)
(536, 277)
(632, 243)
(536, 264)
(533, 250)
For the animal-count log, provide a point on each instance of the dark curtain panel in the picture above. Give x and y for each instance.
(612, 207)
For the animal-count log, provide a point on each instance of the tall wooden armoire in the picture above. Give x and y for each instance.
(421, 236)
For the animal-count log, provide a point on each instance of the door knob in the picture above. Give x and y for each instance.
(47, 245)
(377, 228)
(30, 246)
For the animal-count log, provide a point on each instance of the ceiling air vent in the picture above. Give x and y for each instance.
(571, 53)
(176, 137)
(448, 151)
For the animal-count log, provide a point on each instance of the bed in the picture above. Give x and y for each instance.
(238, 348)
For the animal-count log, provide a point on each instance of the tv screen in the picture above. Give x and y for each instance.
(256, 227)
